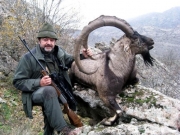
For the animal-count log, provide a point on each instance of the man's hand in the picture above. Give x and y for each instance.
(45, 80)
(87, 52)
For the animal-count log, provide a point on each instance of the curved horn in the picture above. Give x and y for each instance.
(97, 23)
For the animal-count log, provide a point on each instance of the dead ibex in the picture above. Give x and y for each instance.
(114, 69)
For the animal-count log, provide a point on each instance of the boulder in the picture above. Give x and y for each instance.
(146, 111)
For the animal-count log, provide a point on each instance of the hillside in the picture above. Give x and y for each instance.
(167, 39)
(168, 19)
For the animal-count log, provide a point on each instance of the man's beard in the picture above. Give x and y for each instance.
(47, 51)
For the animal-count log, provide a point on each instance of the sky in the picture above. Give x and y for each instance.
(125, 9)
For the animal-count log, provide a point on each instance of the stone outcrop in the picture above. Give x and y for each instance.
(146, 111)
(7, 65)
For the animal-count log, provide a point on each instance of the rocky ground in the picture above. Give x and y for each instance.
(147, 110)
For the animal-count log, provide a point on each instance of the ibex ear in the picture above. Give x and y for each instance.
(126, 47)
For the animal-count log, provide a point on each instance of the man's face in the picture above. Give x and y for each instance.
(47, 43)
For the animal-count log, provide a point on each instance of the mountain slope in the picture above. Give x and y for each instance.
(168, 19)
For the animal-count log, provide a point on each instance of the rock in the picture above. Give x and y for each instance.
(7, 65)
(2, 100)
(147, 112)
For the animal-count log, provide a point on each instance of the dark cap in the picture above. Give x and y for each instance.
(47, 30)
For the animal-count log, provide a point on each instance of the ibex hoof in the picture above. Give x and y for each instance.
(110, 121)
(106, 122)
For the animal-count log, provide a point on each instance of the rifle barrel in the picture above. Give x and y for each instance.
(25, 44)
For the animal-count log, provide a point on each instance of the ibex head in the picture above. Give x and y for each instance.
(144, 44)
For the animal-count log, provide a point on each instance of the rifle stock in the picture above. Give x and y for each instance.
(73, 118)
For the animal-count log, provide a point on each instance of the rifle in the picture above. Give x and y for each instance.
(73, 118)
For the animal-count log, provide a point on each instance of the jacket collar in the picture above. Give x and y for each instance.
(40, 56)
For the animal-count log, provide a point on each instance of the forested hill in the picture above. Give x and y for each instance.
(168, 19)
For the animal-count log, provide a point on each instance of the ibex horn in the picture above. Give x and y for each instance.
(97, 23)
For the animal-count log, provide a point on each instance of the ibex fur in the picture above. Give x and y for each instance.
(112, 70)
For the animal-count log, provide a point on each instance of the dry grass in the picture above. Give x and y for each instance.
(12, 118)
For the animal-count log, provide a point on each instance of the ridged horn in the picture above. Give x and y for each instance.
(97, 23)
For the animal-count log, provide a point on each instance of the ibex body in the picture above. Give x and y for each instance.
(112, 70)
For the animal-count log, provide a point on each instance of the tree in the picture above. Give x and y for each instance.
(25, 19)
(171, 84)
